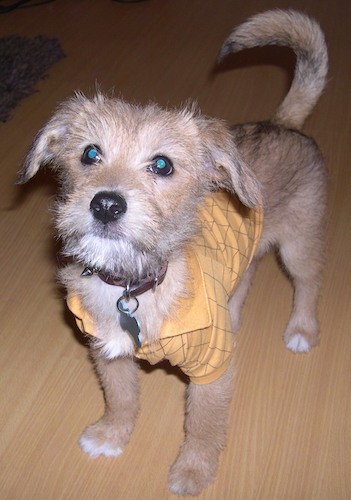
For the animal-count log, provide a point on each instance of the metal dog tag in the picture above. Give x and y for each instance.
(129, 322)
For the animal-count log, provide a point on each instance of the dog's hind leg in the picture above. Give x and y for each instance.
(119, 380)
(205, 435)
(303, 258)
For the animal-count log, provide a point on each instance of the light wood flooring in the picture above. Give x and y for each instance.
(290, 422)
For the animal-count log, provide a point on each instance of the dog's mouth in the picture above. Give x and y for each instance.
(113, 254)
(116, 236)
(111, 232)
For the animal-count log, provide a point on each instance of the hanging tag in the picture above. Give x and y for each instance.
(127, 321)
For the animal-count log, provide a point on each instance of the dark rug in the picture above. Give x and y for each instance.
(24, 61)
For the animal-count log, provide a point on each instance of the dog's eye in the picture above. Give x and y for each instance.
(161, 165)
(91, 155)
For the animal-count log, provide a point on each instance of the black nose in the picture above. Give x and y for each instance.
(108, 206)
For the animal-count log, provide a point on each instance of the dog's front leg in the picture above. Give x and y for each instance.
(119, 380)
(205, 435)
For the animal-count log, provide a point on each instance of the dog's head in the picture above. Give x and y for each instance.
(133, 177)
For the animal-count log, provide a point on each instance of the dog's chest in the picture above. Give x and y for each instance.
(218, 256)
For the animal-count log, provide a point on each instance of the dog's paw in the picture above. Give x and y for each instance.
(298, 343)
(187, 481)
(102, 439)
(190, 479)
(94, 448)
(301, 334)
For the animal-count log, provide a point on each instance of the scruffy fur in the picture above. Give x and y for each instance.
(270, 164)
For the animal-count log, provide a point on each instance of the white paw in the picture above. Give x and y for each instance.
(298, 343)
(95, 449)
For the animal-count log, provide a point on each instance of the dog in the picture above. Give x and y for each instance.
(164, 216)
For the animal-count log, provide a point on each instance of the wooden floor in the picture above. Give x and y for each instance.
(290, 424)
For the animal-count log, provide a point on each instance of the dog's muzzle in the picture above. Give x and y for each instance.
(108, 206)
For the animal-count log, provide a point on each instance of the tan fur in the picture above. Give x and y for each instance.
(286, 177)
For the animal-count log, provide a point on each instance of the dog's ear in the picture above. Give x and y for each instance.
(43, 151)
(228, 169)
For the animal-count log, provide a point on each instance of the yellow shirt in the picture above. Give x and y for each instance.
(200, 340)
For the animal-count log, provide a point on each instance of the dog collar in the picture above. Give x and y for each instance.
(132, 289)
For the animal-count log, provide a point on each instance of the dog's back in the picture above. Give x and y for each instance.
(288, 163)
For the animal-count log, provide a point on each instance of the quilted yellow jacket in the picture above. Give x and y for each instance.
(199, 339)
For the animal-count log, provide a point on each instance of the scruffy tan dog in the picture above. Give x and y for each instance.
(161, 247)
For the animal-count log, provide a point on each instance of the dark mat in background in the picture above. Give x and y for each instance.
(24, 61)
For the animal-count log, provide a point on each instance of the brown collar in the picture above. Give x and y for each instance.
(134, 289)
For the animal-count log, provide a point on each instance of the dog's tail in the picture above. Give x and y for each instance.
(303, 35)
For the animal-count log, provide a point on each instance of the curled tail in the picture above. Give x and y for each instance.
(302, 34)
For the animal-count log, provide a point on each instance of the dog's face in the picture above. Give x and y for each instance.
(132, 179)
